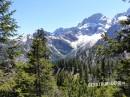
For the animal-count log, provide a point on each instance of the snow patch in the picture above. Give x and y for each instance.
(122, 18)
(85, 39)
(107, 26)
(84, 26)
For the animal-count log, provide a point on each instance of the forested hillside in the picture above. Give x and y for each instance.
(100, 71)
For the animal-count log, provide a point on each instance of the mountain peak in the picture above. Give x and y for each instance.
(58, 31)
(95, 18)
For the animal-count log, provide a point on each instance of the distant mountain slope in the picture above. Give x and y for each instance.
(64, 42)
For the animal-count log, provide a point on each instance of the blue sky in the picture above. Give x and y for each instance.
(51, 14)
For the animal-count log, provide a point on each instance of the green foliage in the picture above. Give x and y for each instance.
(8, 50)
(24, 81)
(119, 47)
(40, 67)
(70, 77)
(7, 23)
(107, 91)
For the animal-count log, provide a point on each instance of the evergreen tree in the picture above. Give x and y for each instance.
(120, 47)
(123, 69)
(7, 31)
(41, 67)
(8, 49)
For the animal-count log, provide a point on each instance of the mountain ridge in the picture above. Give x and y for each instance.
(65, 41)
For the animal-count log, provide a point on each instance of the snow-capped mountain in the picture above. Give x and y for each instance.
(115, 25)
(64, 42)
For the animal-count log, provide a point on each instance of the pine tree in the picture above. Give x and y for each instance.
(120, 47)
(41, 67)
(7, 31)
(123, 69)
(8, 48)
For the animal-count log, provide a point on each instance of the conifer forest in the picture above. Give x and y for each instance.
(100, 71)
